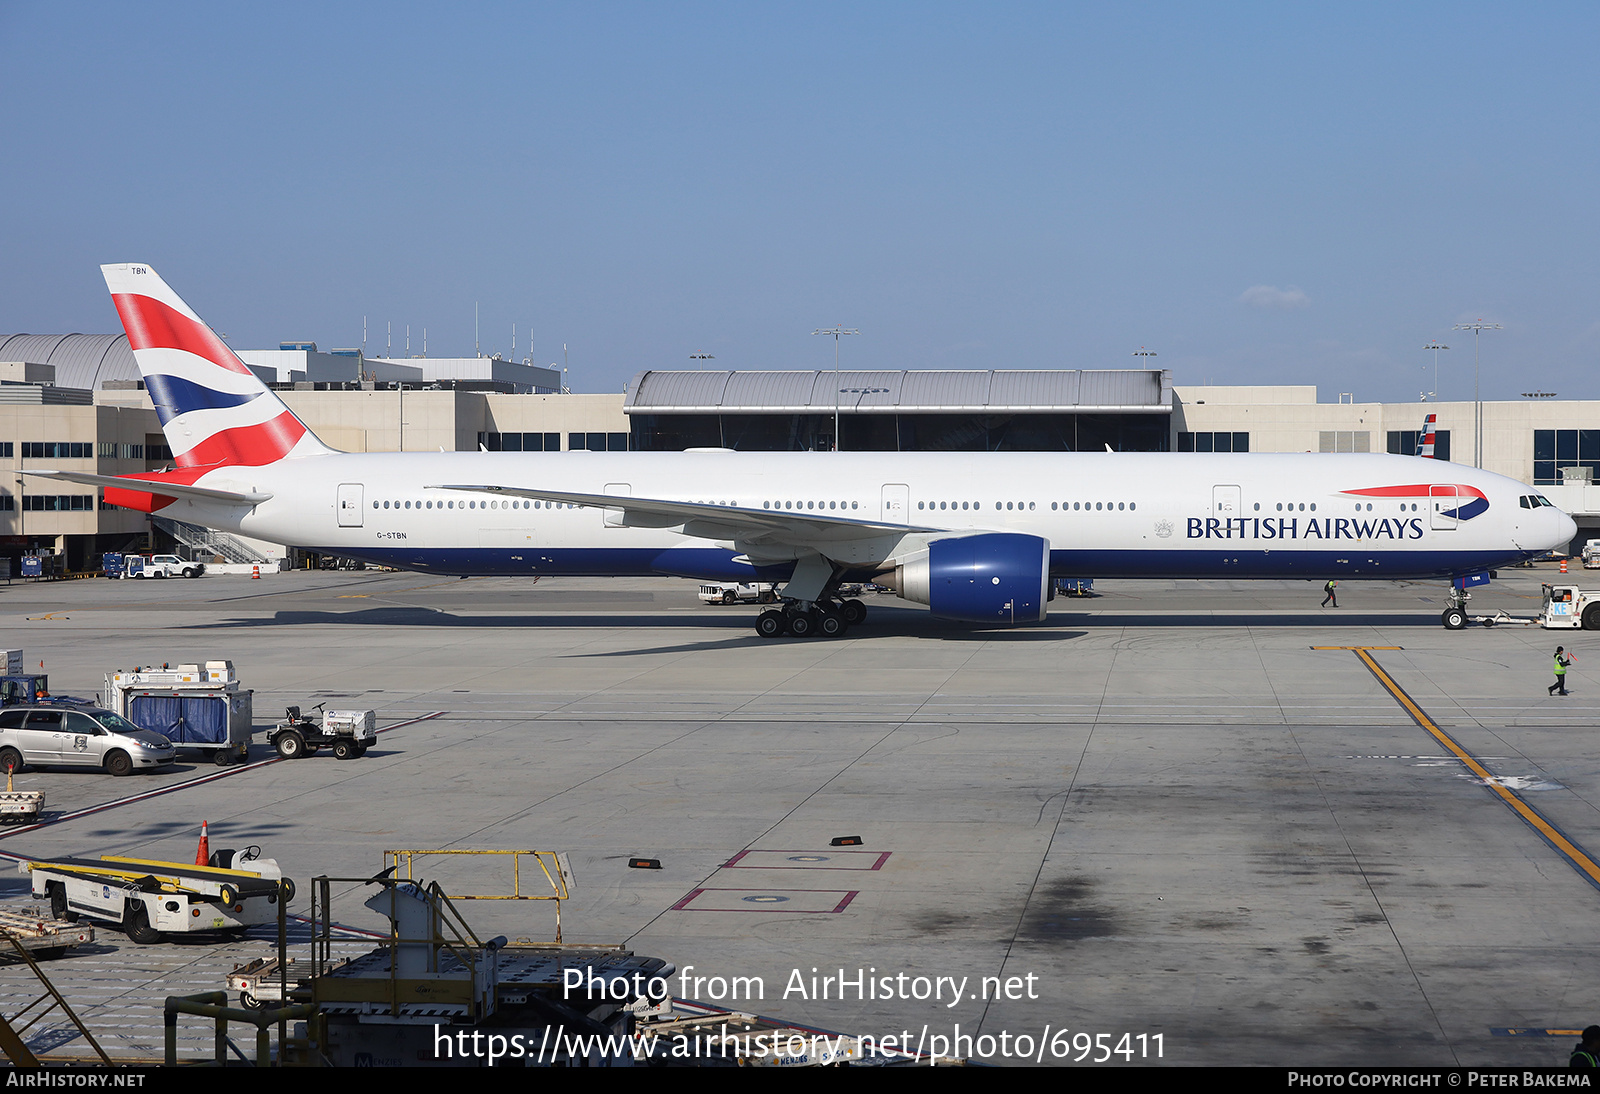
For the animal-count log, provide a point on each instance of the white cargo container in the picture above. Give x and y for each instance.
(198, 706)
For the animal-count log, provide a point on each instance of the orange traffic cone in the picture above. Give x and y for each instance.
(202, 854)
(255, 573)
(1563, 565)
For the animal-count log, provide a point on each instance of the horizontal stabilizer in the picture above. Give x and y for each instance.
(153, 486)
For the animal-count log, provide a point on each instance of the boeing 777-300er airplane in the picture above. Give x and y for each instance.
(973, 537)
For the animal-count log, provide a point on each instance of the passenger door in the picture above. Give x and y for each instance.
(617, 490)
(350, 503)
(896, 502)
(1225, 502)
(1443, 502)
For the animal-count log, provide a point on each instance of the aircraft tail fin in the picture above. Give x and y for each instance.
(214, 411)
(1425, 438)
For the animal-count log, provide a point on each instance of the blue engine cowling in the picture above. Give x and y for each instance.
(995, 577)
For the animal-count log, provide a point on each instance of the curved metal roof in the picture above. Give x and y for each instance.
(902, 391)
(81, 360)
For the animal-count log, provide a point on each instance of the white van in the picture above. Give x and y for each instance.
(86, 737)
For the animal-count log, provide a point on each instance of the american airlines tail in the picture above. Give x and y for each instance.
(213, 409)
(1425, 438)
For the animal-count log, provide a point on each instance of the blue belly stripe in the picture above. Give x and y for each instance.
(715, 564)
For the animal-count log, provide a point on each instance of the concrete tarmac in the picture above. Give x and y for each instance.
(1164, 813)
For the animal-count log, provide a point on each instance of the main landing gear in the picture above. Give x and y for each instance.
(830, 617)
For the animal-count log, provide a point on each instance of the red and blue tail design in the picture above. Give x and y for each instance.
(213, 409)
(1425, 438)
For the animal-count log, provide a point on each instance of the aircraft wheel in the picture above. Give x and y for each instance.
(1453, 619)
(855, 612)
(831, 625)
(802, 625)
(771, 624)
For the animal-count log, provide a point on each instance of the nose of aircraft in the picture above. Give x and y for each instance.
(1566, 531)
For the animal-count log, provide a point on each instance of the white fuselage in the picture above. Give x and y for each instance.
(1103, 514)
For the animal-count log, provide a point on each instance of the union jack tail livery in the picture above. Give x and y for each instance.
(1425, 438)
(213, 409)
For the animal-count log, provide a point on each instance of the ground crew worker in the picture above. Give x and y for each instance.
(1587, 1055)
(1329, 589)
(1563, 659)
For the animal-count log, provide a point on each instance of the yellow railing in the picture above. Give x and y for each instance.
(552, 866)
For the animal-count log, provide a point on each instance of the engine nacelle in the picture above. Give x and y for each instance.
(994, 577)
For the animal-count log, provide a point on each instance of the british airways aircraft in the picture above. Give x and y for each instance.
(972, 537)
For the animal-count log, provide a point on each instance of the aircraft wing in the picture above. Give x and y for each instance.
(153, 486)
(707, 520)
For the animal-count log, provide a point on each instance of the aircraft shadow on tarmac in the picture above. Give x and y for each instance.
(885, 621)
(904, 623)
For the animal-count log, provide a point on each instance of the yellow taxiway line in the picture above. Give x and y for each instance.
(1575, 855)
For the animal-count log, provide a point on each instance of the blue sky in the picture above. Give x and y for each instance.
(1260, 193)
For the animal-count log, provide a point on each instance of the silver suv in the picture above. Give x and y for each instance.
(85, 737)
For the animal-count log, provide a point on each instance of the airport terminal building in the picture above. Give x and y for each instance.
(76, 402)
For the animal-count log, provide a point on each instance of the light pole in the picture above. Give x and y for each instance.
(838, 331)
(1436, 346)
(1145, 353)
(702, 358)
(1477, 328)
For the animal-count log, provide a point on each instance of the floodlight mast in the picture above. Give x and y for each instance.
(1436, 346)
(838, 331)
(1477, 327)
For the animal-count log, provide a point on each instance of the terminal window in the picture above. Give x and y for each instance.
(58, 503)
(1213, 442)
(520, 442)
(1554, 449)
(1403, 442)
(57, 450)
(597, 442)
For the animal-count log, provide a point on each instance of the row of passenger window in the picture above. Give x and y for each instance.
(811, 505)
(473, 505)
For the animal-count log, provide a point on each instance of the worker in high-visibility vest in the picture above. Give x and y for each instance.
(1563, 659)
